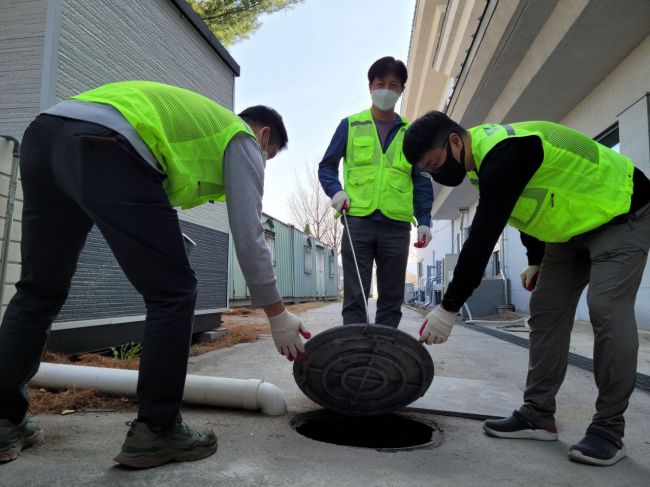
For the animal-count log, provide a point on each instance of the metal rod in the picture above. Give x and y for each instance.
(356, 266)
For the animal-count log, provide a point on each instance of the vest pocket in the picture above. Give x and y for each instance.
(362, 149)
(362, 186)
(398, 197)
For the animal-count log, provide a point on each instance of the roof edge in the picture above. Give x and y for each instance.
(196, 21)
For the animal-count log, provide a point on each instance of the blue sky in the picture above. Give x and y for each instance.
(310, 63)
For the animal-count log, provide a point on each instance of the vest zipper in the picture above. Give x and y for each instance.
(552, 200)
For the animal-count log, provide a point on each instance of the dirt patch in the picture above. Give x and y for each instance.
(245, 325)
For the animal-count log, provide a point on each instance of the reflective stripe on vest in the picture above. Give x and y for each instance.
(580, 185)
(187, 132)
(375, 180)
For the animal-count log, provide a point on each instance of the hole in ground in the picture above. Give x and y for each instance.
(386, 432)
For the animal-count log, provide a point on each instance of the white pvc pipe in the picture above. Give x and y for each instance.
(247, 394)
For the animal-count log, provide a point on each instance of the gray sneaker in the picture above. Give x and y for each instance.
(144, 448)
(16, 437)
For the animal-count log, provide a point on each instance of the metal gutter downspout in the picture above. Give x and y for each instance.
(210, 391)
(9, 214)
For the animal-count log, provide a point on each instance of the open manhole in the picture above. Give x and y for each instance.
(385, 432)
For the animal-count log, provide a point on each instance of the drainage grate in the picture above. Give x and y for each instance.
(642, 380)
(386, 432)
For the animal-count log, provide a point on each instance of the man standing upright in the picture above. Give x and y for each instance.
(382, 194)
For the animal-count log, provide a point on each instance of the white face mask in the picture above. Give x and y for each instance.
(384, 99)
(265, 154)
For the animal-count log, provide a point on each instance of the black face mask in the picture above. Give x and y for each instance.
(451, 172)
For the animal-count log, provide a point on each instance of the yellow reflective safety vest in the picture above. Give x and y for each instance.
(375, 180)
(579, 186)
(187, 133)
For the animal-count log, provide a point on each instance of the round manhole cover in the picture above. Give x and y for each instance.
(361, 370)
(386, 432)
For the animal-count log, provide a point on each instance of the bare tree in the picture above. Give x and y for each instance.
(310, 209)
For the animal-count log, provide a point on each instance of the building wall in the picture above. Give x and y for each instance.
(102, 42)
(22, 34)
(51, 49)
(545, 60)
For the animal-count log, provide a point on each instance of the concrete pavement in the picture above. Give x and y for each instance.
(255, 450)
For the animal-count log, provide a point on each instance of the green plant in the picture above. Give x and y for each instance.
(127, 351)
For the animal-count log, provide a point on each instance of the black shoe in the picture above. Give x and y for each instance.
(16, 437)
(519, 427)
(597, 448)
(144, 448)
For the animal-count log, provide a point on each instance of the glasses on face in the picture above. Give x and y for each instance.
(433, 167)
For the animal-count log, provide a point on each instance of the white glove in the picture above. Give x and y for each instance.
(529, 277)
(341, 201)
(437, 326)
(424, 237)
(286, 329)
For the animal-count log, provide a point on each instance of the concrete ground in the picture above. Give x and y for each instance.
(256, 450)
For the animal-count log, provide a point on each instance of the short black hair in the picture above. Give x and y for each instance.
(267, 117)
(388, 65)
(428, 132)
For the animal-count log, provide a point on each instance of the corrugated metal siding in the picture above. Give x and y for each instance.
(305, 282)
(283, 258)
(331, 274)
(101, 290)
(22, 31)
(102, 42)
(293, 282)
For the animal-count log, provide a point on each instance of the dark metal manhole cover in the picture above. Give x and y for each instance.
(361, 370)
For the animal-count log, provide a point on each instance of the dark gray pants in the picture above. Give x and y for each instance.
(76, 174)
(611, 259)
(387, 245)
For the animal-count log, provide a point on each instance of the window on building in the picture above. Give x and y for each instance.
(308, 259)
(610, 138)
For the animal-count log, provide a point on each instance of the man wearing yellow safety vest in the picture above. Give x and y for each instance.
(382, 193)
(583, 211)
(121, 157)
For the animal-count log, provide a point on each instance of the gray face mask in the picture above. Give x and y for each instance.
(384, 99)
